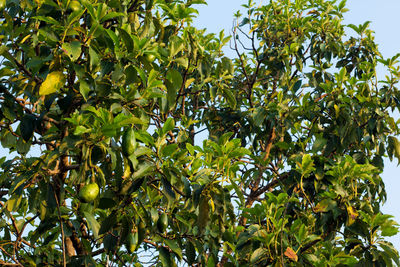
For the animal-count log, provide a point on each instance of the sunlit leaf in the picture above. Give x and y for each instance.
(54, 81)
(72, 49)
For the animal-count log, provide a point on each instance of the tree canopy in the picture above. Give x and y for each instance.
(132, 139)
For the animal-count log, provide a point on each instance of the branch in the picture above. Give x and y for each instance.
(271, 185)
(62, 230)
(17, 263)
(269, 145)
(13, 221)
(23, 103)
(3, 193)
(22, 68)
(20, 101)
(3, 263)
(240, 57)
(309, 245)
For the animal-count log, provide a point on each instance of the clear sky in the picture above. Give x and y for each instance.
(385, 21)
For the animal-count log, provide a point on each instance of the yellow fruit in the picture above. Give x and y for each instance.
(89, 192)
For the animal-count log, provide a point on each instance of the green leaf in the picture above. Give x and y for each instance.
(176, 45)
(258, 255)
(23, 147)
(169, 193)
(244, 22)
(311, 258)
(94, 58)
(17, 183)
(110, 242)
(307, 165)
(112, 15)
(54, 81)
(108, 223)
(190, 252)
(143, 170)
(389, 230)
(92, 223)
(142, 75)
(390, 251)
(325, 205)
(187, 188)
(394, 145)
(135, 185)
(173, 245)
(73, 49)
(27, 126)
(47, 19)
(168, 150)
(106, 203)
(182, 61)
(14, 202)
(227, 65)
(211, 261)
(230, 97)
(319, 144)
(259, 115)
(164, 256)
(169, 125)
(84, 89)
(79, 130)
(296, 86)
(173, 83)
(128, 41)
(114, 38)
(76, 15)
(239, 193)
(131, 75)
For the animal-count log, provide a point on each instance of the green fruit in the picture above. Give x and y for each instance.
(141, 232)
(132, 242)
(74, 5)
(129, 144)
(150, 57)
(89, 192)
(162, 222)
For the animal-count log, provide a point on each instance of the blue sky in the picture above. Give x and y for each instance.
(385, 21)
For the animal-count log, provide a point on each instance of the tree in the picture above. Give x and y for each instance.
(133, 139)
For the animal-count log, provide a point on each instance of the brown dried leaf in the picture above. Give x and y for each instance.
(291, 254)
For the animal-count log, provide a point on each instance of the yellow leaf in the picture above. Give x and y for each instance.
(189, 81)
(337, 110)
(352, 215)
(54, 81)
(291, 254)
(25, 38)
(212, 205)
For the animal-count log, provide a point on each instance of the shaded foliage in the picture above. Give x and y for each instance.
(272, 158)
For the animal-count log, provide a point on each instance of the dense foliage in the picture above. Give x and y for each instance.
(133, 139)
